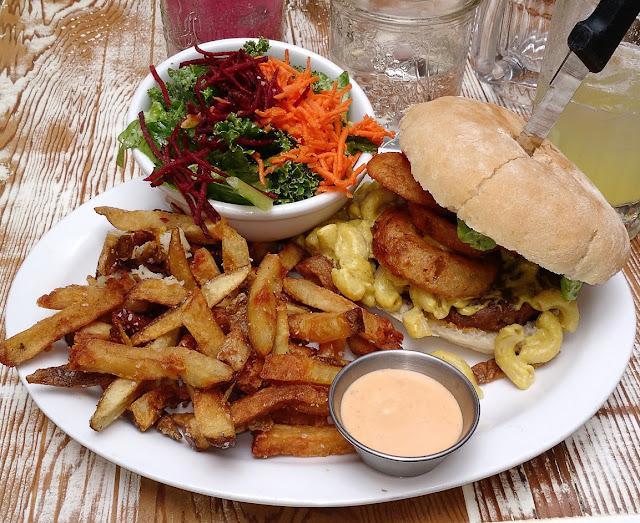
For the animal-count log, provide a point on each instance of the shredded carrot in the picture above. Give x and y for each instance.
(261, 173)
(319, 125)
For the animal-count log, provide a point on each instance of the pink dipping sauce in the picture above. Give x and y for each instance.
(401, 413)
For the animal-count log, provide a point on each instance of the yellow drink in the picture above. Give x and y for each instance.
(599, 129)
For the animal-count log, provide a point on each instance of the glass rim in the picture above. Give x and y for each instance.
(445, 16)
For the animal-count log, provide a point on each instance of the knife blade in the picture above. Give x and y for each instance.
(592, 42)
(563, 86)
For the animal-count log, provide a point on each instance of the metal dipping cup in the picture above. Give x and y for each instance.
(402, 52)
(446, 374)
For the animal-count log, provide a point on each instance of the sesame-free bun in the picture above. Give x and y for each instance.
(465, 153)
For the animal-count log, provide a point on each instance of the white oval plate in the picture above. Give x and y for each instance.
(514, 426)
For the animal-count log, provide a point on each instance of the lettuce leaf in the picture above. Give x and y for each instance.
(570, 288)
(474, 238)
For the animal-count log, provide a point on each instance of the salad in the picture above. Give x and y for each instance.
(244, 127)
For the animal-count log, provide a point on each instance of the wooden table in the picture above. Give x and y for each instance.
(68, 69)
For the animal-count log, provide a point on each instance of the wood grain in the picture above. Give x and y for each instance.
(67, 72)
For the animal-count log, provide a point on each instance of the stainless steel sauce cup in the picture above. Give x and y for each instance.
(452, 379)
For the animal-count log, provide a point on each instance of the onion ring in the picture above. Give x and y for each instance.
(393, 172)
(442, 230)
(397, 245)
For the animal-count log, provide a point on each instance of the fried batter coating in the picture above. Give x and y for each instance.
(397, 245)
(442, 230)
(487, 371)
(393, 172)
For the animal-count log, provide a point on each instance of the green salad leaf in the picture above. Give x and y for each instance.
(569, 288)
(293, 182)
(235, 127)
(474, 238)
(160, 124)
(360, 144)
(181, 88)
(256, 48)
(243, 138)
(325, 83)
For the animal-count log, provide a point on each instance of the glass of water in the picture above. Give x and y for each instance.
(402, 52)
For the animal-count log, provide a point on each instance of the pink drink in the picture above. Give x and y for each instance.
(188, 22)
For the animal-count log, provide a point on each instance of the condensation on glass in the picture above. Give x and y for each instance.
(402, 52)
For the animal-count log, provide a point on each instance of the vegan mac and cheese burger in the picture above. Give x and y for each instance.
(465, 236)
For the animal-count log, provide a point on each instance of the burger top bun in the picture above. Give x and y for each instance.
(464, 152)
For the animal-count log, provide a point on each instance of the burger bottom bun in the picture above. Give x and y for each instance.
(470, 338)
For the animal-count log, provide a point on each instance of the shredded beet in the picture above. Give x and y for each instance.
(237, 75)
(163, 86)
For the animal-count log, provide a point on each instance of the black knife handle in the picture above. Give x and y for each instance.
(595, 39)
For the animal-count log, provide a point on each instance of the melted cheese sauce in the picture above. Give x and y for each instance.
(402, 413)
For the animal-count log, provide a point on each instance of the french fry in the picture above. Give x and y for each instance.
(300, 441)
(281, 340)
(163, 221)
(332, 349)
(29, 343)
(323, 327)
(290, 254)
(359, 346)
(203, 266)
(166, 322)
(62, 376)
(153, 345)
(188, 342)
(290, 416)
(199, 321)
(213, 417)
(64, 297)
(296, 308)
(264, 295)
(260, 424)
(235, 251)
(167, 426)
(219, 287)
(317, 268)
(303, 350)
(236, 313)
(299, 369)
(149, 407)
(108, 257)
(168, 339)
(235, 351)
(377, 330)
(192, 433)
(248, 379)
(158, 291)
(258, 250)
(95, 329)
(114, 401)
(275, 397)
(143, 363)
(487, 371)
(177, 261)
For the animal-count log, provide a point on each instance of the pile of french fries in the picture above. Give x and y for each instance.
(204, 336)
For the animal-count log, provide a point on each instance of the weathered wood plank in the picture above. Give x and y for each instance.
(67, 71)
(62, 98)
